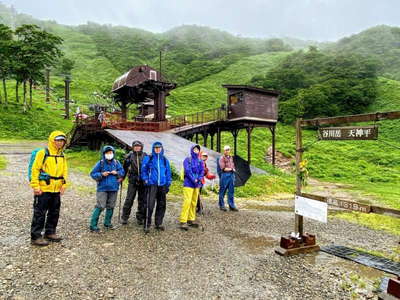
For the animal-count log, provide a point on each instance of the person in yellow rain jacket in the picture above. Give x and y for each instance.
(48, 180)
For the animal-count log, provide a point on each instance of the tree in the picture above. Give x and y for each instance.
(38, 50)
(275, 45)
(66, 66)
(6, 41)
(320, 84)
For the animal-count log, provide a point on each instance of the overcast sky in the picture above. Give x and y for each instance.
(323, 20)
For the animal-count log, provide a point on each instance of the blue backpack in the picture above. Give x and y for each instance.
(43, 175)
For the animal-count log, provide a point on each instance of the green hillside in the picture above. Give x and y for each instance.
(209, 93)
(380, 43)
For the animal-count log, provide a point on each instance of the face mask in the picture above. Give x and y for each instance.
(109, 156)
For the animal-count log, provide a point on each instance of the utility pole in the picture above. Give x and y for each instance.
(47, 85)
(66, 98)
(160, 62)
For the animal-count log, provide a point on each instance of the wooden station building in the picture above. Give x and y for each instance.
(246, 108)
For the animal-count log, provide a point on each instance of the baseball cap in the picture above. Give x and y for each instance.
(227, 147)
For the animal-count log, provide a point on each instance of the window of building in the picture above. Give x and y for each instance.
(153, 75)
(235, 98)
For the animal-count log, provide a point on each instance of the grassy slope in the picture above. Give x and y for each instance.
(91, 72)
(208, 92)
(35, 124)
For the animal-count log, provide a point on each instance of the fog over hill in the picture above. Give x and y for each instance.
(321, 20)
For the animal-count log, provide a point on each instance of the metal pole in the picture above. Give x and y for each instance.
(299, 154)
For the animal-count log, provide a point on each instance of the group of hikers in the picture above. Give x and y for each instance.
(149, 177)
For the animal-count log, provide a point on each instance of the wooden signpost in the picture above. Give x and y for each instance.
(348, 133)
(329, 133)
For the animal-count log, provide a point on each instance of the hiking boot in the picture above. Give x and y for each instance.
(223, 208)
(53, 238)
(124, 222)
(109, 227)
(233, 209)
(193, 224)
(184, 226)
(94, 229)
(160, 227)
(41, 242)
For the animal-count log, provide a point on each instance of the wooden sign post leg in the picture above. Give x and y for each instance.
(305, 243)
(299, 155)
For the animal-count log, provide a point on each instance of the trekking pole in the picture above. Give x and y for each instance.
(119, 206)
(147, 208)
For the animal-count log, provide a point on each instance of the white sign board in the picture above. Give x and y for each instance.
(312, 209)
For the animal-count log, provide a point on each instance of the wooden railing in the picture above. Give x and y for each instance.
(202, 117)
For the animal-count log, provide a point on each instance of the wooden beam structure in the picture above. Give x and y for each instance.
(391, 115)
(299, 227)
(299, 155)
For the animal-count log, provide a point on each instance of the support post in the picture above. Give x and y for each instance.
(205, 136)
(249, 129)
(299, 155)
(197, 138)
(212, 140)
(272, 129)
(159, 106)
(219, 140)
(235, 133)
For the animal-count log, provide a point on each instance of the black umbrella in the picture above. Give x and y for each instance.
(243, 172)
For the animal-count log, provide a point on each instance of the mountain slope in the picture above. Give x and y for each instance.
(381, 43)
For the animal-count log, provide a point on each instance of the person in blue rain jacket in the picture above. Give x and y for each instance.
(108, 172)
(156, 175)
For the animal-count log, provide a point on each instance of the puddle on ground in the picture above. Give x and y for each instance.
(322, 258)
(268, 207)
(255, 244)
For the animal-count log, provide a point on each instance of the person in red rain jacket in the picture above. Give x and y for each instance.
(207, 175)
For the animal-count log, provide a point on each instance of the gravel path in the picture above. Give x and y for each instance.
(232, 258)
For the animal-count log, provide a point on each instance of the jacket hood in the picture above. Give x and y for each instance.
(52, 147)
(106, 149)
(162, 149)
(201, 155)
(137, 143)
(194, 155)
